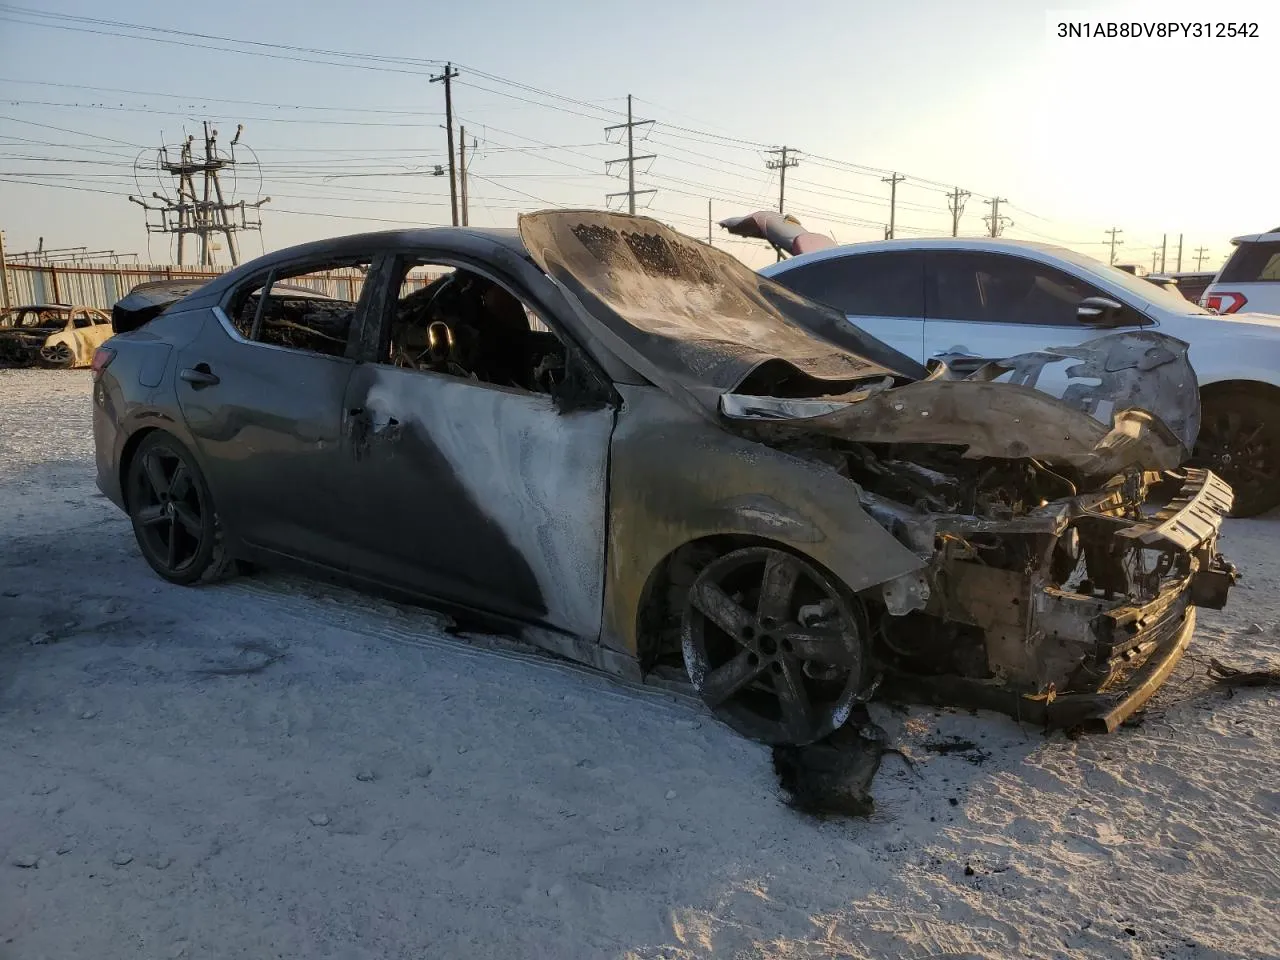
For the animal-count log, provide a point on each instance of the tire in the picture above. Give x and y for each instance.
(1240, 441)
(173, 515)
(57, 357)
(775, 647)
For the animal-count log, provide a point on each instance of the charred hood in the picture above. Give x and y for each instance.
(696, 320)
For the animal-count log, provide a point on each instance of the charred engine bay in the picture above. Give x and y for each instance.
(1021, 558)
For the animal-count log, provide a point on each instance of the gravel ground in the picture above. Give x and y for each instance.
(271, 767)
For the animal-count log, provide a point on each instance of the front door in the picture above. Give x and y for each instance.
(470, 483)
(261, 389)
(989, 306)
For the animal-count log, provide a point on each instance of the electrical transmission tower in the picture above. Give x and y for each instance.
(208, 212)
(630, 159)
(996, 223)
(1113, 233)
(955, 203)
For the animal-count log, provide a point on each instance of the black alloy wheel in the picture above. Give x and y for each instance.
(172, 513)
(774, 646)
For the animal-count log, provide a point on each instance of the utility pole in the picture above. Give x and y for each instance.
(1155, 256)
(462, 171)
(955, 202)
(781, 165)
(1202, 254)
(892, 180)
(996, 223)
(205, 215)
(447, 77)
(4, 276)
(1179, 253)
(630, 159)
(1113, 233)
(709, 243)
(1164, 249)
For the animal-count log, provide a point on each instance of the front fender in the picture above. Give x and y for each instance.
(676, 478)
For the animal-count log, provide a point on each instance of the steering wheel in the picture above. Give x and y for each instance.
(439, 351)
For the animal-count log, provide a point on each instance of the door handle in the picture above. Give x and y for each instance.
(200, 376)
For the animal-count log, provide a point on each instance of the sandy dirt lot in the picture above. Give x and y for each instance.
(381, 789)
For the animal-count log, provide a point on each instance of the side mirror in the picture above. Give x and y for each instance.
(1098, 311)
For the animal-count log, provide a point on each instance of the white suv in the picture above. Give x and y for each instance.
(1249, 282)
(974, 299)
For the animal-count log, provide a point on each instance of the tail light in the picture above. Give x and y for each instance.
(1225, 302)
(102, 358)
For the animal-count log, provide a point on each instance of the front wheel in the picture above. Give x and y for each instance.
(173, 514)
(57, 356)
(1240, 441)
(774, 646)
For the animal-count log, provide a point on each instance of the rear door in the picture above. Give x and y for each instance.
(882, 293)
(982, 306)
(261, 389)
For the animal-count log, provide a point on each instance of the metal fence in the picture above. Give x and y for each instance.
(89, 286)
(102, 285)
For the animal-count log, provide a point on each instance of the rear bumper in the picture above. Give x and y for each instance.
(108, 445)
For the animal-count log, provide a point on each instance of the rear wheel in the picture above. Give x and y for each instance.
(58, 355)
(1240, 441)
(173, 514)
(774, 646)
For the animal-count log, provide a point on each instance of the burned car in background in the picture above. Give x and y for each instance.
(52, 335)
(634, 452)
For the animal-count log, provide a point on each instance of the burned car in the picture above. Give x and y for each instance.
(636, 453)
(52, 335)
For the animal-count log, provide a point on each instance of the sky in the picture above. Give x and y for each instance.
(1154, 136)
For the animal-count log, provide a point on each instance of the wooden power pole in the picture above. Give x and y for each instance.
(996, 223)
(462, 172)
(447, 77)
(4, 276)
(781, 165)
(955, 200)
(892, 180)
(1113, 233)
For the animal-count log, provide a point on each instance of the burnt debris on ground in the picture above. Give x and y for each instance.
(1235, 677)
(833, 776)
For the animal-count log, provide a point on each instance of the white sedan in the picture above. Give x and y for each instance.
(970, 299)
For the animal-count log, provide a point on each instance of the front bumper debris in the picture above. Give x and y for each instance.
(1099, 712)
(1122, 651)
